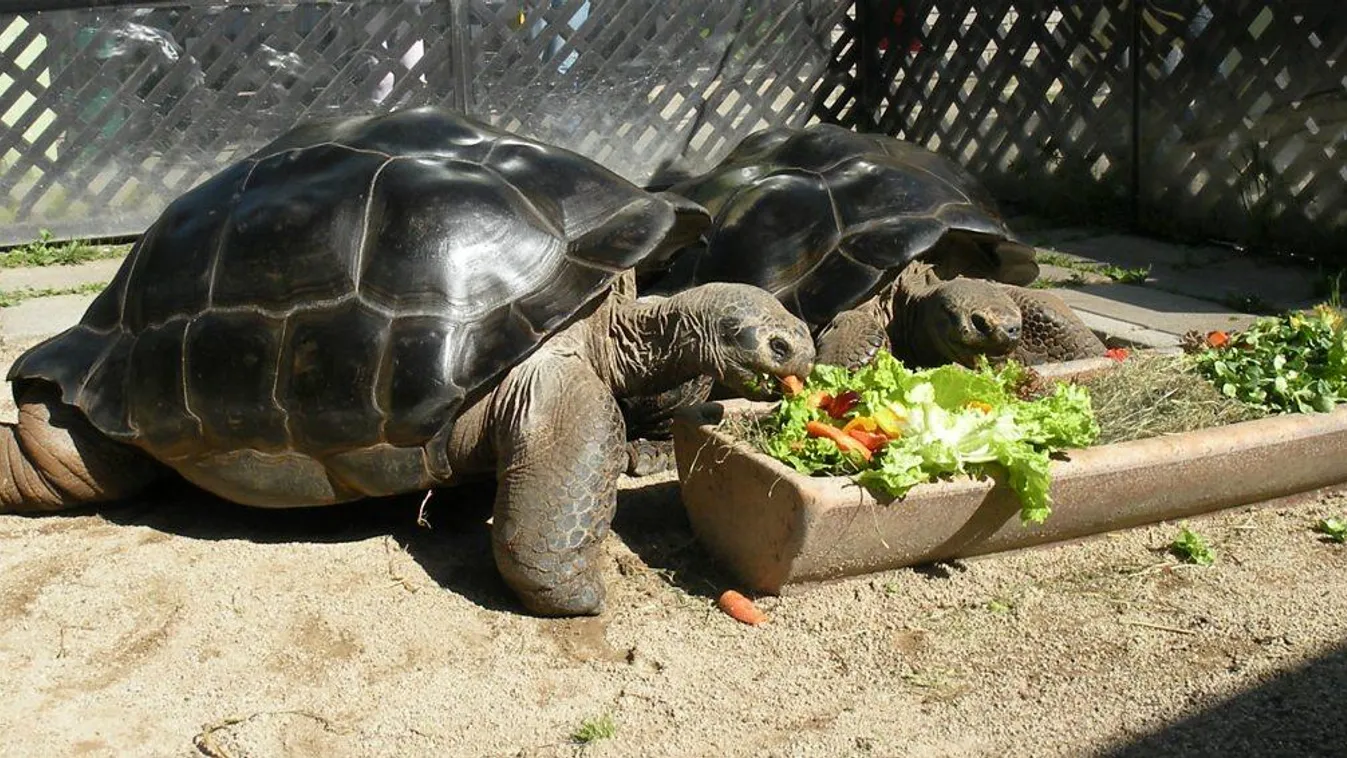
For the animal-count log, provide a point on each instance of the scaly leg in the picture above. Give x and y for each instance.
(649, 421)
(851, 339)
(53, 458)
(560, 446)
(1050, 330)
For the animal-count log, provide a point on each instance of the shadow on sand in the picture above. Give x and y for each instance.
(454, 550)
(1297, 713)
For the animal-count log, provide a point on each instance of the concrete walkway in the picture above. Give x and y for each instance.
(1187, 288)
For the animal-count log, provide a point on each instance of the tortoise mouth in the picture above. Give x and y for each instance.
(965, 339)
(753, 385)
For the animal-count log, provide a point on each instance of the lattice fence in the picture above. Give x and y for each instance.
(111, 112)
(1243, 122)
(1196, 118)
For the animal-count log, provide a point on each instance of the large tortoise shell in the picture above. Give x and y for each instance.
(823, 217)
(327, 304)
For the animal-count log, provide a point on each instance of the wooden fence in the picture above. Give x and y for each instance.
(1198, 119)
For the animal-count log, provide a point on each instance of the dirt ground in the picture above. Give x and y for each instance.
(179, 625)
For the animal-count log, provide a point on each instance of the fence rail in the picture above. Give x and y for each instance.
(1194, 118)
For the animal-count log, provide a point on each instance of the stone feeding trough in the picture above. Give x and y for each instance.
(775, 528)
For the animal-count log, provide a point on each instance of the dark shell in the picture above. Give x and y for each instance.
(823, 217)
(332, 300)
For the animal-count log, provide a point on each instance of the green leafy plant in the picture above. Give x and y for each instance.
(1284, 364)
(13, 297)
(893, 428)
(45, 251)
(1191, 547)
(1126, 275)
(1333, 528)
(1118, 274)
(591, 730)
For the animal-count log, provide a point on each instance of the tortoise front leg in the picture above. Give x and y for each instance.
(54, 458)
(1050, 330)
(851, 339)
(560, 446)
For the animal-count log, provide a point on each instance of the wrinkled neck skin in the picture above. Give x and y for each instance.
(910, 325)
(650, 345)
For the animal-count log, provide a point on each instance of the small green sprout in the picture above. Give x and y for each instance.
(1190, 547)
(591, 730)
(1335, 529)
(1126, 275)
(1000, 605)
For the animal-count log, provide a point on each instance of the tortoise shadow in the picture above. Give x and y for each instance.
(454, 547)
(452, 543)
(652, 522)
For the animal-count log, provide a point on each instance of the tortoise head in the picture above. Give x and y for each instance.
(748, 339)
(961, 319)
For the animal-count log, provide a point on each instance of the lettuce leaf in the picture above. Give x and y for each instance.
(955, 421)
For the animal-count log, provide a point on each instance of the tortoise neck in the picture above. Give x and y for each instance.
(652, 345)
(908, 333)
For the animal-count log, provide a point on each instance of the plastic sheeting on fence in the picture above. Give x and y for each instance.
(111, 112)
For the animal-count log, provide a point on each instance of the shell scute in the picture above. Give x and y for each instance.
(326, 377)
(231, 364)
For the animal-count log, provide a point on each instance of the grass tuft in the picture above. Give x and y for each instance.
(1150, 395)
(594, 729)
(9, 298)
(46, 252)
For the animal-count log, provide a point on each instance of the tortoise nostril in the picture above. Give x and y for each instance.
(781, 350)
(1013, 331)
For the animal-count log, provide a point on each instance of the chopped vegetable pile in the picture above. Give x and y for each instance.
(894, 428)
(1285, 364)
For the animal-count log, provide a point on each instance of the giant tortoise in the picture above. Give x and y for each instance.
(874, 242)
(384, 304)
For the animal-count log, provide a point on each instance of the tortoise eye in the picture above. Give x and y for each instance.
(780, 348)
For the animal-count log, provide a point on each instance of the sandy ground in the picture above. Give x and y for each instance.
(179, 625)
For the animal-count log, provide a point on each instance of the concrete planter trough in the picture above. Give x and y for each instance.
(774, 528)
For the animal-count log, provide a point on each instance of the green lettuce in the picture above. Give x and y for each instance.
(954, 420)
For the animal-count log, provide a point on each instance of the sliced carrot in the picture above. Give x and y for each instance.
(978, 405)
(1217, 339)
(740, 608)
(843, 440)
(872, 440)
(793, 385)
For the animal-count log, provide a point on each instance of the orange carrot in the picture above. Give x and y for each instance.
(740, 608)
(793, 385)
(840, 438)
(1118, 354)
(873, 441)
(1217, 339)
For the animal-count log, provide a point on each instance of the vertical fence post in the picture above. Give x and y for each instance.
(461, 54)
(1135, 64)
(867, 66)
